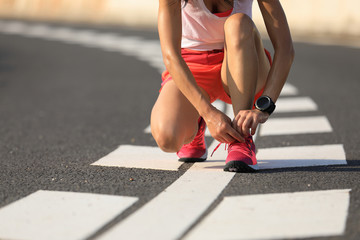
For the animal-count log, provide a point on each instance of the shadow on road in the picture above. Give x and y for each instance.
(352, 166)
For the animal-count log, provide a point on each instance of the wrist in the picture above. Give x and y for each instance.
(265, 113)
(205, 109)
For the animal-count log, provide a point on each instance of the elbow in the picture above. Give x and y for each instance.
(167, 61)
(169, 58)
(286, 51)
(289, 50)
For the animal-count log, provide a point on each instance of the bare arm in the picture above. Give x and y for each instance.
(169, 26)
(279, 33)
(278, 30)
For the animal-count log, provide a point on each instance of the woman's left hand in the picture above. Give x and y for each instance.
(246, 121)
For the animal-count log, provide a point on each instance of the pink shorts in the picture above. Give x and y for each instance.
(206, 69)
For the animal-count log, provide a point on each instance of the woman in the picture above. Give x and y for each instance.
(212, 50)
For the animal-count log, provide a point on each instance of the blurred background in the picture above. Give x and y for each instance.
(306, 17)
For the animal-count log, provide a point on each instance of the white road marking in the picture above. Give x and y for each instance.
(144, 50)
(277, 216)
(147, 129)
(66, 35)
(289, 90)
(174, 210)
(229, 111)
(295, 125)
(12, 27)
(60, 215)
(39, 31)
(220, 105)
(296, 104)
(130, 156)
(301, 156)
(285, 157)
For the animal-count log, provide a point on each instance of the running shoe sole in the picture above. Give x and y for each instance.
(240, 167)
(192, 160)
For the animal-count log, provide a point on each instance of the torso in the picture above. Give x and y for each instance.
(202, 30)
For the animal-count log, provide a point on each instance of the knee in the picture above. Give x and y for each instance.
(238, 28)
(167, 140)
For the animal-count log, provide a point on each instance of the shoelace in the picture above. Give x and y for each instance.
(226, 145)
(248, 141)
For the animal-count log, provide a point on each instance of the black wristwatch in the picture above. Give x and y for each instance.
(265, 104)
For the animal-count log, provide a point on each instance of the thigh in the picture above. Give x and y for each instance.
(173, 115)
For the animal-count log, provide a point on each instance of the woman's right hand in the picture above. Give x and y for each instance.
(220, 127)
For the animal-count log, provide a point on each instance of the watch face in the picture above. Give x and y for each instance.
(263, 103)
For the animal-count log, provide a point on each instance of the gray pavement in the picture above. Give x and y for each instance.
(64, 106)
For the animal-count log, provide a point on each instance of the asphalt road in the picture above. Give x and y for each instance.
(64, 106)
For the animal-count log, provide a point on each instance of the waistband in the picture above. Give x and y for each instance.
(190, 51)
(211, 57)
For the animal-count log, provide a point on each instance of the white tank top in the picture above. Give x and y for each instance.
(201, 29)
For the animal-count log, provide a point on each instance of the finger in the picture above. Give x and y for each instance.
(234, 125)
(254, 127)
(237, 116)
(222, 137)
(224, 134)
(240, 125)
(229, 139)
(219, 138)
(235, 135)
(246, 126)
(236, 120)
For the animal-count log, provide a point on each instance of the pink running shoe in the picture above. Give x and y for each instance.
(195, 151)
(241, 157)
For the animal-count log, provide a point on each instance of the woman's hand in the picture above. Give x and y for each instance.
(249, 119)
(221, 128)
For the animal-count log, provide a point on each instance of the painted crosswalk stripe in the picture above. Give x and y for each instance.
(295, 125)
(301, 156)
(129, 156)
(56, 215)
(174, 210)
(295, 104)
(147, 129)
(289, 90)
(285, 157)
(277, 216)
(140, 157)
(268, 158)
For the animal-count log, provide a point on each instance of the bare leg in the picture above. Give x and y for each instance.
(245, 66)
(244, 72)
(174, 120)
